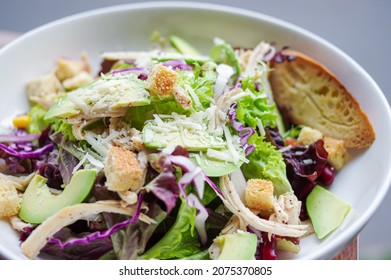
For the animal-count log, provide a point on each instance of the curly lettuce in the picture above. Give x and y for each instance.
(266, 162)
(252, 110)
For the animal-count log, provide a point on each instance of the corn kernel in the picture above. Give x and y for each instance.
(21, 121)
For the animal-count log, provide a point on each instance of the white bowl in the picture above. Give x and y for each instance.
(363, 182)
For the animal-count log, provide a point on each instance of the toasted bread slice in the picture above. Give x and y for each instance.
(309, 94)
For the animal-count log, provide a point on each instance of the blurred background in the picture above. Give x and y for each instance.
(361, 28)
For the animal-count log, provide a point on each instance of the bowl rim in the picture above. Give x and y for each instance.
(345, 236)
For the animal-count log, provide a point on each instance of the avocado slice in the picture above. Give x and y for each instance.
(212, 167)
(287, 245)
(38, 203)
(326, 210)
(154, 137)
(102, 97)
(182, 46)
(64, 108)
(237, 246)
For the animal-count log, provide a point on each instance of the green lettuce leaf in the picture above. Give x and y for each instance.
(252, 109)
(37, 120)
(201, 80)
(266, 162)
(63, 127)
(180, 241)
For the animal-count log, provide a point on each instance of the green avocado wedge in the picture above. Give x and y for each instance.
(38, 203)
(326, 210)
(182, 46)
(212, 167)
(64, 108)
(237, 246)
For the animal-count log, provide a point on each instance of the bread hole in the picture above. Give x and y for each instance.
(335, 93)
(323, 90)
(346, 112)
(350, 119)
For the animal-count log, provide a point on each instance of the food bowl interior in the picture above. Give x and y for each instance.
(362, 183)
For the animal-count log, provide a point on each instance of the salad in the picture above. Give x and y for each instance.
(166, 154)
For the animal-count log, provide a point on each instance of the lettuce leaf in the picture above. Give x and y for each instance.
(180, 241)
(266, 162)
(63, 127)
(201, 80)
(251, 109)
(37, 120)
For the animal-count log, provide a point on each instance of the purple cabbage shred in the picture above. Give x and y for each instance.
(243, 132)
(177, 64)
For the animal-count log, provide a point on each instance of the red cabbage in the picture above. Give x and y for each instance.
(51, 171)
(15, 138)
(243, 132)
(279, 57)
(164, 184)
(28, 154)
(135, 70)
(91, 251)
(165, 188)
(307, 162)
(177, 64)
(193, 174)
(66, 163)
(304, 166)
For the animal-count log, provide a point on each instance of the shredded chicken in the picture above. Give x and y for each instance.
(225, 101)
(232, 201)
(127, 198)
(18, 224)
(286, 209)
(124, 136)
(68, 215)
(78, 125)
(256, 56)
(20, 183)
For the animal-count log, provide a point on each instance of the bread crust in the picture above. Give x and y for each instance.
(307, 93)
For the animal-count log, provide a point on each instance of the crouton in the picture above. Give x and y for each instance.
(122, 170)
(161, 81)
(259, 194)
(338, 155)
(67, 68)
(9, 201)
(77, 81)
(308, 136)
(43, 86)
